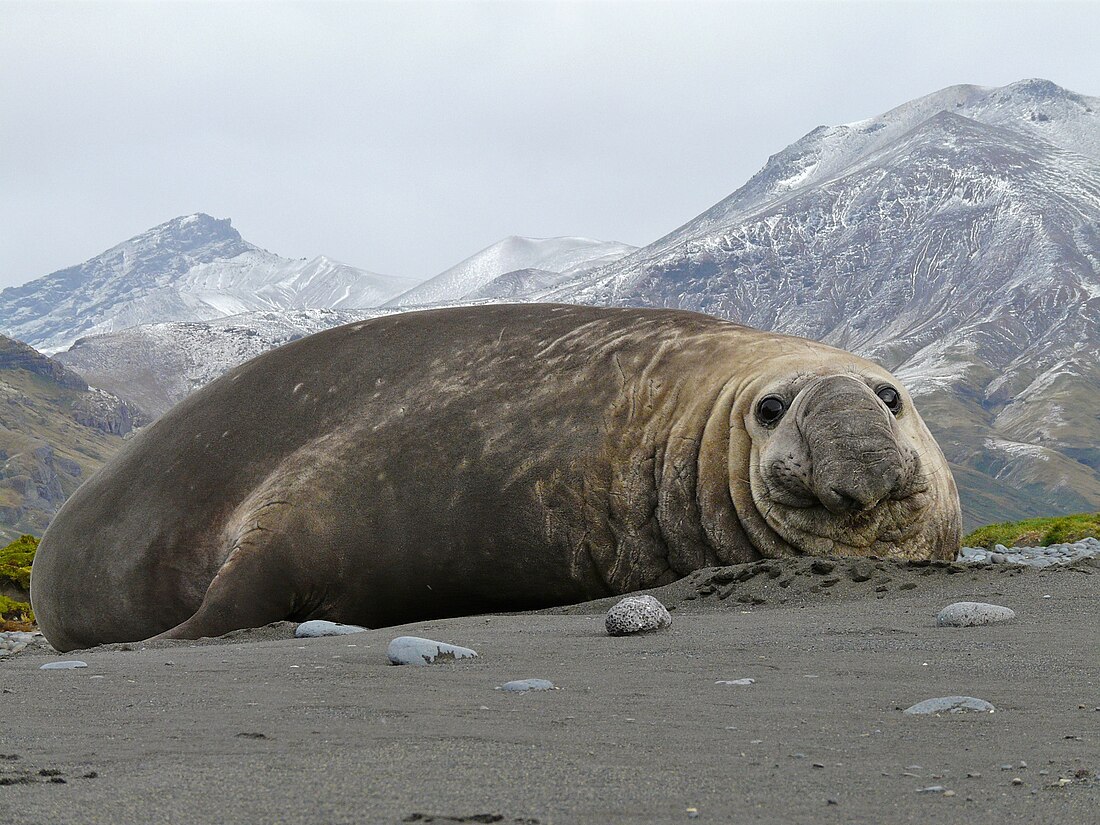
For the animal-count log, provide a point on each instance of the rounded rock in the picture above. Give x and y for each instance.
(413, 650)
(524, 685)
(637, 614)
(319, 627)
(973, 614)
(68, 664)
(950, 704)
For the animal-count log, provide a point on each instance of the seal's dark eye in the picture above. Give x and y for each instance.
(890, 398)
(770, 409)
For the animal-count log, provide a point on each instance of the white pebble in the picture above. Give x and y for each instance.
(523, 685)
(413, 650)
(636, 614)
(319, 627)
(67, 664)
(950, 704)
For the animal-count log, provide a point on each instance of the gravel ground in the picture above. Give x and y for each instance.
(777, 695)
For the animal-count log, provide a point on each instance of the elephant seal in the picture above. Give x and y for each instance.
(491, 458)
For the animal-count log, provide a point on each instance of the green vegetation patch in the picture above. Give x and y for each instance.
(16, 559)
(13, 611)
(1036, 532)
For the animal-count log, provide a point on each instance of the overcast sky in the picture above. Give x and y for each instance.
(403, 137)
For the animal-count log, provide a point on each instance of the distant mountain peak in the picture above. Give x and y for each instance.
(1036, 88)
(198, 229)
(191, 268)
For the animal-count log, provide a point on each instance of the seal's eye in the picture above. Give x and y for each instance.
(770, 409)
(890, 398)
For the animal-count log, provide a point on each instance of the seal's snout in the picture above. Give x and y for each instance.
(853, 445)
(861, 492)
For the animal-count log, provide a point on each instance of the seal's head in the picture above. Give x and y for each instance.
(841, 464)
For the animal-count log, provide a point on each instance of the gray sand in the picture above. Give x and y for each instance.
(263, 727)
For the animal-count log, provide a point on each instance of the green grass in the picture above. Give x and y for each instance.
(13, 611)
(16, 559)
(1036, 532)
(15, 569)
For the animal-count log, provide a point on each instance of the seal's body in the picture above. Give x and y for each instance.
(491, 458)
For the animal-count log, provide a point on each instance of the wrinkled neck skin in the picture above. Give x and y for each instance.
(657, 503)
(839, 474)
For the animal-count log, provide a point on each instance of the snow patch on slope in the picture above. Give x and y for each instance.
(559, 255)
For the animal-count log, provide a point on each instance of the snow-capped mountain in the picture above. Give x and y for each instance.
(956, 240)
(565, 257)
(192, 268)
(1032, 108)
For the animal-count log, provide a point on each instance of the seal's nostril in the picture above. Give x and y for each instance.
(839, 500)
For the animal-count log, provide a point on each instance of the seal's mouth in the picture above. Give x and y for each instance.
(888, 529)
(881, 514)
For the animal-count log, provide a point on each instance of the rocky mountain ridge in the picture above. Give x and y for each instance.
(191, 268)
(54, 432)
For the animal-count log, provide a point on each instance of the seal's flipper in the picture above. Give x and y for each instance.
(251, 589)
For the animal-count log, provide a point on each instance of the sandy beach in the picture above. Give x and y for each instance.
(262, 727)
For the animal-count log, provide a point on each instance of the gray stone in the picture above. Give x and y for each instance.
(522, 685)
(1037, 557)
(14, 641)
(972, 614)
(67, 664)
(319, 627)
(950, 704)
(413, 650)
(636, 614)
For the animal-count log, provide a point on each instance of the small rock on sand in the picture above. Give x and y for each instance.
(67, 664)
(636, 614)
(413, 650)
(523, 685)
(319, 627)
(950, 704)
(972, 614)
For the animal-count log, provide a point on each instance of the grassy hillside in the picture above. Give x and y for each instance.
(1036, 532)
